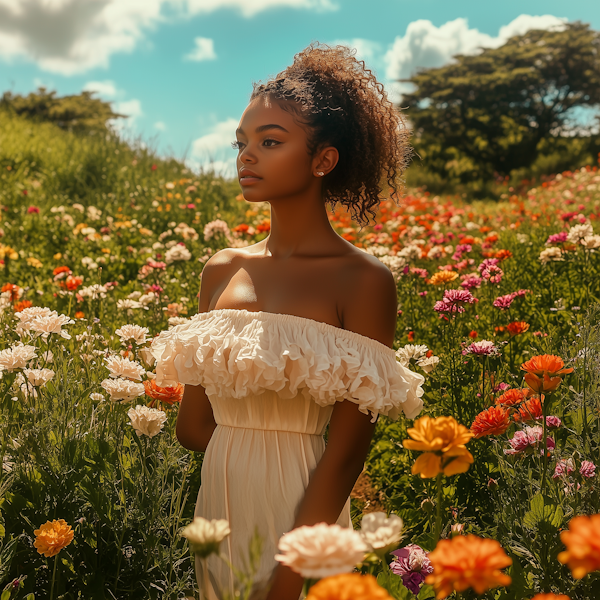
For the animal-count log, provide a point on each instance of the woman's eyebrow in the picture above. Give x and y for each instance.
(264, 128)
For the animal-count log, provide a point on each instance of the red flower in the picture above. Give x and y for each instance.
(153, 167)
(517, 327)
(473, 334)
(493, 421)
(411, 336)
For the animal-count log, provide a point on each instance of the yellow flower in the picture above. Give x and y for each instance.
(57, 256)
(443, 441)
(34, 262)
(52, 537)
(442, 277)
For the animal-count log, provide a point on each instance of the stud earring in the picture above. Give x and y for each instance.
(320, 173)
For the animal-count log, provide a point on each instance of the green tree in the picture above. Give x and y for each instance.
(78, 113)
(495, 112)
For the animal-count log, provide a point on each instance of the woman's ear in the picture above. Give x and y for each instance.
(326, 159)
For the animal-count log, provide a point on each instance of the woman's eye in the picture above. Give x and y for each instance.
(237, 144)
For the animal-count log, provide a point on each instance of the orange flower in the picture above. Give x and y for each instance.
(79, 314)
(503, 254)
(473, 334)
(549, 367)
(530, 410)
(467, 561)
(514, 396)
(582, 540)
(348, 586)
(517, 327)
(442, 277)
(23, 304)
(71, 283)
(166, 395)
(493, 421)
(443, 441)
(550, 597)
(52, 537)
(61, 272)
(13, 289)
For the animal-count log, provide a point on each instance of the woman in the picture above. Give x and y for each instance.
(296, 331)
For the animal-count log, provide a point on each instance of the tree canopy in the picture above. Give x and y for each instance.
(79, 112)
(492, 112)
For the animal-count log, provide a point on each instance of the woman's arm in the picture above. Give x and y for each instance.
(372, 313)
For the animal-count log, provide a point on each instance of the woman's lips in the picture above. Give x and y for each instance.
(249, 180)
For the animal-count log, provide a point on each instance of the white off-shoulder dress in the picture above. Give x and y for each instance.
(272, 380)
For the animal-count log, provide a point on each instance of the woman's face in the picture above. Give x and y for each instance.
(274, 147)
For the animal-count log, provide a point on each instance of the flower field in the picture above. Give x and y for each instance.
(495, 487)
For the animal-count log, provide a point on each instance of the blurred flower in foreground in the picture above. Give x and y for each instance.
(321, 550)
(380, 532)
(413, 565)
(147, 421)
(443, 442)
(550, 597)
(348, 585)
(582, 540)
(467, 561)
(493, 421)
(52, 537)
(544, 372)
(166, 395)
(205, 536)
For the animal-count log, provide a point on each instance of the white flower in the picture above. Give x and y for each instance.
(47, 357)
(549, 254)
(410, 351)
(133, 332)
(146, 299)
(123, 367)
(16, 357)
(127, 304)
(205, 536)
(591, 242)
(177, 321)
(51, 324)
(214, 227)
(28, 314)
(147, 421)
(135, 295)
(321, 550)
(38, 377)
(147, 356)
(428, 363)
(412, 252)
(96, 397)
(178, 252)
(394, 263)
(123, 389)
(522, 238)
(578, 233)
(380, 532)
(93, 291)
(435, 252)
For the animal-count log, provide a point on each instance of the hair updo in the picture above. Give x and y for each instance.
(343, 105)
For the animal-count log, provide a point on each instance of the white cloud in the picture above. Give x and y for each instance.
(73, 36)
(204, 50)
(132, 108)
(425, 45)
(106, 89)
(214, 149)
(367, 50)
(160, 126)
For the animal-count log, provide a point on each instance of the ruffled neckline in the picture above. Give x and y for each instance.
(262, 315)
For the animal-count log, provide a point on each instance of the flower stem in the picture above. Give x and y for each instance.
(438, 518)
(53, 577)
(204, 579)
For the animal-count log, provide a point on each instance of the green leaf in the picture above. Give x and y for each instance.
(542, 513)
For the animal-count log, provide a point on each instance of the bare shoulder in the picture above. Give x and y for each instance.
(368, 297)
(218, 268)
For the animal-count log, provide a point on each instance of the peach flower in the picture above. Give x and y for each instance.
(52, 537)
(582, 540)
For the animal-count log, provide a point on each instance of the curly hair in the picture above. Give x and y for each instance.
(342, 104)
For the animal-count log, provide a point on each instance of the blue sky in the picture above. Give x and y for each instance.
(183, 69)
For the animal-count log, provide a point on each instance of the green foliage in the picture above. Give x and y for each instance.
(498, 111)
(79, 113)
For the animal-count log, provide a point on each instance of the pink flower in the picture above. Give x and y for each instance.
(587, 469)
(412, 564)
(419, 272)
(504, 302)
(482, 348)
(488, 262)
(460, 250)
(553, 422)
(557, 238)
(156, 265)
(563, 467)
(493, 274)
(454, 301)
(33, 209)
(529, 437)
(471, 281)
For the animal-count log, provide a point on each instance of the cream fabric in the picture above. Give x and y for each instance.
(272, 380)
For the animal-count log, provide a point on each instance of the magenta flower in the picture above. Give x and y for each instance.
(504, 302)
(454, 301)
(587, 469)
(557, 238)
(413, 565)
(488, 262)
(33, 209)
(460, 250)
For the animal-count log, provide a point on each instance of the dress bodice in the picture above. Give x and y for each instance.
(284, 364)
